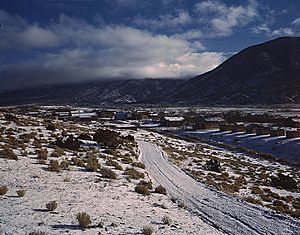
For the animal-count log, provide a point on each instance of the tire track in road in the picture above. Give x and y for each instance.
(231, 215)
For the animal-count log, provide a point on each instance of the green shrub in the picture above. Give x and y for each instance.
(3, 190)
(284, 181)
(21, 193)
(108, 138)
(213, 165)
(160, 189)
(51, 206)
(84, 220)
(141, 189)
(70, 143)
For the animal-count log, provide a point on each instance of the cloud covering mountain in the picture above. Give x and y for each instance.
(49, 42)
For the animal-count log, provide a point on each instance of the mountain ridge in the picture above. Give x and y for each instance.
(266, 73)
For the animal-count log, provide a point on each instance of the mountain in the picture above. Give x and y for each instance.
(268, 73)
(95, 93)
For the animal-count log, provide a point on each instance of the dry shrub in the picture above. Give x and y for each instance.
(147, 230)
(147, 184)
(181, 204)
(77, 161)
(252, 200)
(43, 154)
(126, 160)
(296, 204)
(280, 206)
(36, 143)
(8, 154)
(57, 152)
(266, 198)
(108, 173)
(21, 193)
(141, 189)
(295, 213)
(36, 233)
(166, 220)
(54, 166)
(256, 190)
(65, 164)
(3, 190)
(92, 164)
(114, 164)
(84, 220)
(51, 206)
(228, 188)
(138, 164)
(133, 173)
(160, 189)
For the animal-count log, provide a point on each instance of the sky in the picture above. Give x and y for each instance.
(54, 41)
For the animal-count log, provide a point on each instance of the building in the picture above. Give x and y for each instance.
(172, 121)
(262, 131)
(208, 123)
(238, 128)
(293, 134)
(226, 127)
(277, 132)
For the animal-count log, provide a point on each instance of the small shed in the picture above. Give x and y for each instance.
(293, 134)
(225, 127)
(277, 132)
(238, 128)
(262, 131)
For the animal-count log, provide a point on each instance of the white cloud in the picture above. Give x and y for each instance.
(261, 29)
(264, 29)
(190, 35)
(296, 21)
(17, 33)
(283, 32)
(92, 52)
(181, 18)
(222, 19)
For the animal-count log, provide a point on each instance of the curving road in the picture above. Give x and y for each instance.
(227, 213)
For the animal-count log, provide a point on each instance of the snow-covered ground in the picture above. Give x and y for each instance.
(113, 204)
(280, 147)
(227, 213)
(241, 175)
